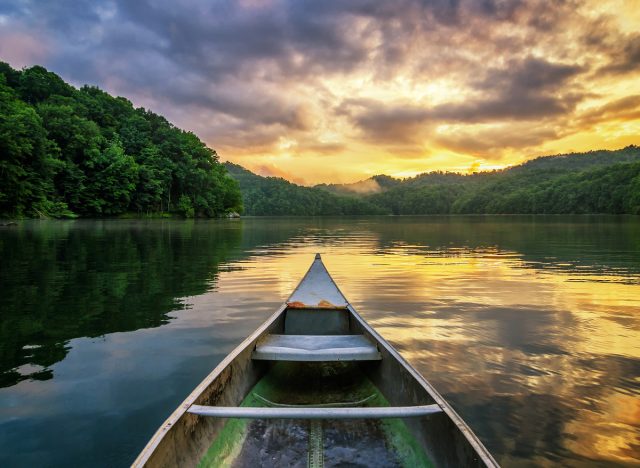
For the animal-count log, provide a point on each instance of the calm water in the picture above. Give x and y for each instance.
(529, 326)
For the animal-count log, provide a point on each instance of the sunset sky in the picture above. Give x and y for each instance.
(337, 91)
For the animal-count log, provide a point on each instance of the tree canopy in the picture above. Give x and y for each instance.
(81, 152)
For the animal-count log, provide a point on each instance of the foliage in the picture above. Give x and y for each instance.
(67, 152)
(185, 207)
(25, 161)
(594, 182)
(607, 189)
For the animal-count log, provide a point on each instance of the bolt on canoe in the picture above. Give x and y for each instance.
(314, 385)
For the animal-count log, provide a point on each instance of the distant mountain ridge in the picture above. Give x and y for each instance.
(602, 181)
(557, 162)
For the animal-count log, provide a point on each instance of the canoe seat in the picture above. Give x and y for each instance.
(316, 348)
(371, 412)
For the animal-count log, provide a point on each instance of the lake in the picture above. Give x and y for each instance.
(528, 325)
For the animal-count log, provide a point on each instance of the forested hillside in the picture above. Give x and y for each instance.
(594, 182)
(269, 196)
(81, 152)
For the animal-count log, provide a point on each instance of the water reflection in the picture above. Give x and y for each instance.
(66, 280)
(529, 326)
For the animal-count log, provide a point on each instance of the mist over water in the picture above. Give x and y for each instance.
(528, 326)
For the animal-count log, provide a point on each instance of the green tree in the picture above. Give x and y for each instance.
(111, 181)
(25, 167)
(37, 84)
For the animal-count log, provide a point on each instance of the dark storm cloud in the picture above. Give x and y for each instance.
(529, 75)
(226, 39)
(527, 89)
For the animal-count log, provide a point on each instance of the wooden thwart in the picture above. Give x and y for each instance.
(381, 412)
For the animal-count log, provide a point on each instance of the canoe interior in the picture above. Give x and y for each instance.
(440, 439)
(358, 442)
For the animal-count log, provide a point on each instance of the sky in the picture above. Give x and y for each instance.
(337, 90)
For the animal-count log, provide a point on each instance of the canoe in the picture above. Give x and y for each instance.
(314, 385)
